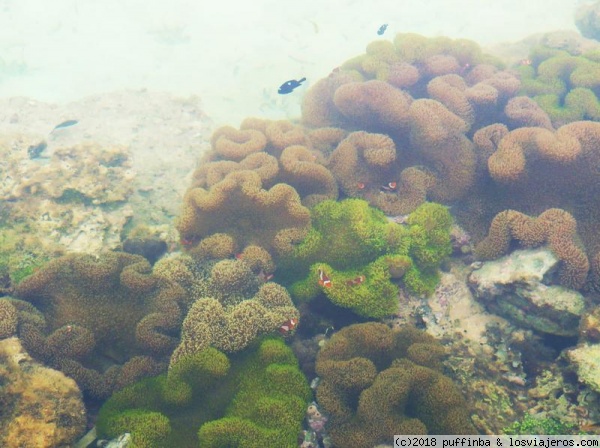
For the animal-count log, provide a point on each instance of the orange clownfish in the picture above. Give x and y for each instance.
(323, 279)
(264, 277)
(288, 326)
(356, 281)
(390, 186)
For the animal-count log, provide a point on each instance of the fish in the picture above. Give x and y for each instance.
(188, 242)
(289, 86)
(64, 124)
(382, 29)
(360, 185)
(324, 280)
(264, 277)
(356, 281)
(391, 186)
(35, 151)
(288, 326)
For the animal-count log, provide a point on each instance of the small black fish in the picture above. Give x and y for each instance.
(289, 86)
(64, 124)
(382, 29)
(35, 151)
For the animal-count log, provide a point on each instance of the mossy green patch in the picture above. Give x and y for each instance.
(254, 399)
(362, 254)
(564, 85)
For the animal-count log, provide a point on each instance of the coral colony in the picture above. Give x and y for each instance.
(346, 210)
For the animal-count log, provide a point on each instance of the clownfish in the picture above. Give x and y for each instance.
(361, 185)
(187, 242)
(356, 281)
(288, 326)
(323, 279)
(264, 277)
(391, 186)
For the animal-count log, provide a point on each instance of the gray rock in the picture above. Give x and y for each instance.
(513, 287)
(586, 359)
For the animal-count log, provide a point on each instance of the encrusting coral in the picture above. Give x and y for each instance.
(82, 299)
(76, 200)
(208, 400)
(376, 381)
(41, 407)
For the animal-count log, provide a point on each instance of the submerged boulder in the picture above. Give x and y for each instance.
(41, 406)
(513, 287)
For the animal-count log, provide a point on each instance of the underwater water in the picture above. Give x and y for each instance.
(297, 224)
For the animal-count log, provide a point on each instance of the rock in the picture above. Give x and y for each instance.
(512, 287)
(586, 359)
(40, 407)
(150, 248)
(123, 441)
(589, 326)
(587, 20)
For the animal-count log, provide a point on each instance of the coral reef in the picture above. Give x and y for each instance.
(258, 399)
(421, 119)
(82, 299)
(41, 407)
(586, 359)
(376, 381)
